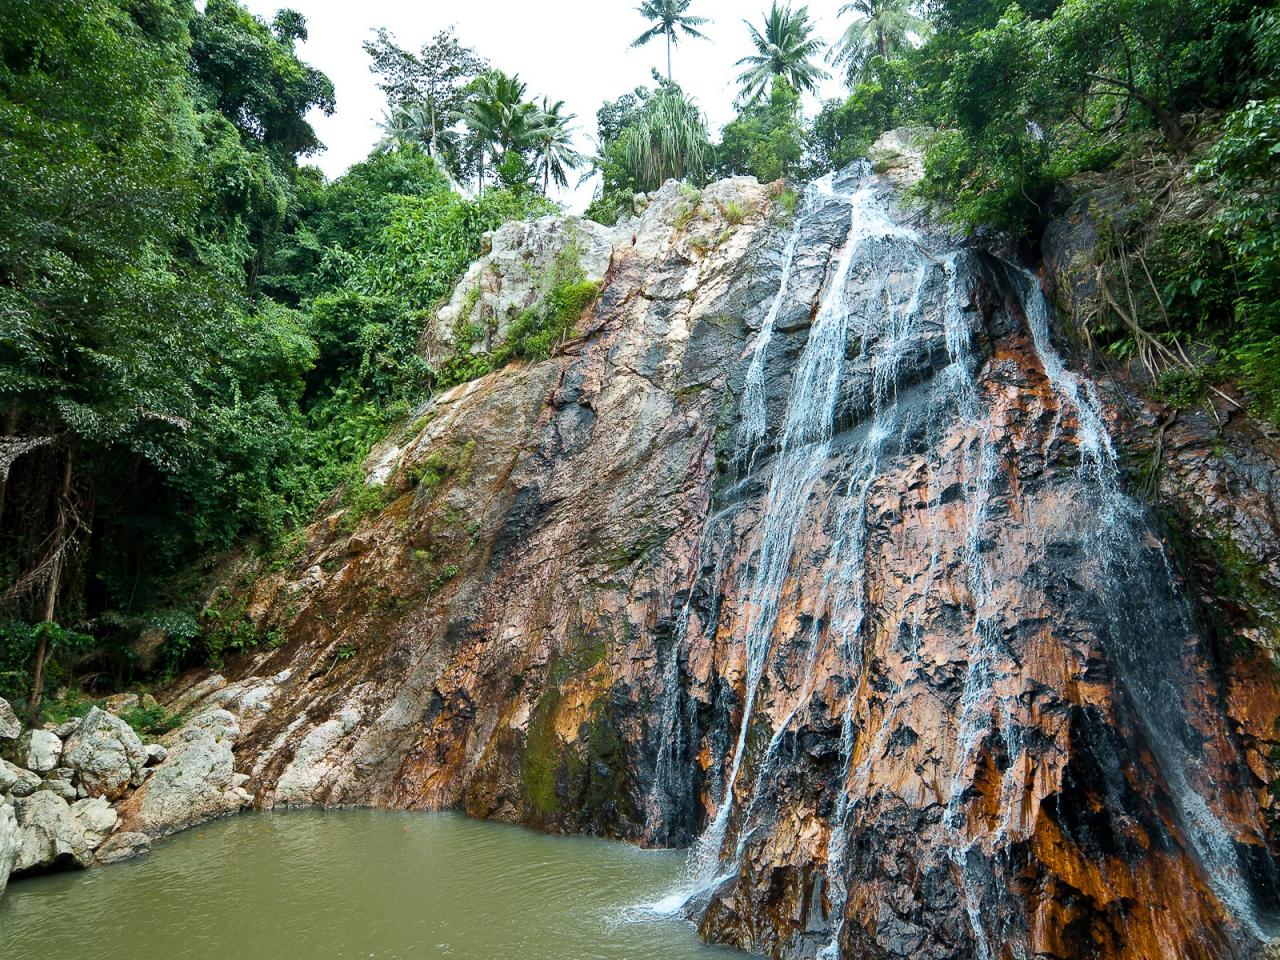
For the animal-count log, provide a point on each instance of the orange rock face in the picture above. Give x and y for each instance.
(926, 681)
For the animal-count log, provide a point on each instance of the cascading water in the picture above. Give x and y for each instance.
(883, 290)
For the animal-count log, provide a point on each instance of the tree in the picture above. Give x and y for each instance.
(783, 49)
(434, 81)
(667, 141)
(499, 116)
(252, 76)
(406, 125)
(882, 28)
(667, 17)
(766, 140)
(552, 137)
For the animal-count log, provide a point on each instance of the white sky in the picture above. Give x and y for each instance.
(578, 51)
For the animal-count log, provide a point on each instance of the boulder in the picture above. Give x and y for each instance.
(156, 754)
(10, 726)
(106, 755)
(123, 846)
(17, 781)
(8, 842)
(195, 783)
(39, 750)
(49, 837)
(96, 818)
(898, 155)
(66, 728)
(62, 787)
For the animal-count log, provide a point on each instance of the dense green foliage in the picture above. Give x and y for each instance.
(200, 337)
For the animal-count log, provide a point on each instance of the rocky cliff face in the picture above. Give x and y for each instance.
(808, 550)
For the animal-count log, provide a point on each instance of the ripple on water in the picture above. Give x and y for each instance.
(355, 885)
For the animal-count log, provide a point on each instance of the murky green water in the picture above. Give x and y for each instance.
(354, 885)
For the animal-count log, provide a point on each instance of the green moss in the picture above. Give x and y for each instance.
(542, 754)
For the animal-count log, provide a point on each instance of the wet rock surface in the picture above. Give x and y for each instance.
(851, 586)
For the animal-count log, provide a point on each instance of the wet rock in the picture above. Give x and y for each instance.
(17, 781)
(49, 838)
(10, 726)
(39, 750)
(96, 818)
(106, 755)
(123, 846)
(192, 785)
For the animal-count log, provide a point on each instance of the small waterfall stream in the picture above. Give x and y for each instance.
(882, 276)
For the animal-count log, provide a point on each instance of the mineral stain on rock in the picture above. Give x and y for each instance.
(807, 546)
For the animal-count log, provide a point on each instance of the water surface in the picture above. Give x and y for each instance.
(354, 885)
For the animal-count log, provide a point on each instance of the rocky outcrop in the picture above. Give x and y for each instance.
(811, 548)
(10, 727)
(48, 836)
(196, 782)
(112, 795)
(106, 754)
(9, 842)
(39, 750)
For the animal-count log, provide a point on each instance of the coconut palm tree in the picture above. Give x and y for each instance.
(666, 17)
(498, 115)
(783, 49)
(883, 28)
(552, 136)
(406, 124)
(669, 141)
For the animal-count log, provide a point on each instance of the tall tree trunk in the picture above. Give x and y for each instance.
(668, 57)
(10, 430)
(51, 591)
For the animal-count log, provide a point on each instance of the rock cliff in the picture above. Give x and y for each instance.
(807, 549)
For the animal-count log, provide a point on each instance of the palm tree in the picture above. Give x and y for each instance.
(497, 114)
(783, 49)
(668, 141)
(666, 17)
(407, 124)
(883, 28)
(553, 137)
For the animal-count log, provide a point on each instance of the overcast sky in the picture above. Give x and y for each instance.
(578, 51)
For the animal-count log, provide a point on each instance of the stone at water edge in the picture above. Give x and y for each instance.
(48, 835)
(106, 755)
(123, 846)
(17, 781)
(96, 818)
(39, 750)
(197, 782)
(10, 726)
(8, 842)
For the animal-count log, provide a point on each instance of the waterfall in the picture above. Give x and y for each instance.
(883, 291)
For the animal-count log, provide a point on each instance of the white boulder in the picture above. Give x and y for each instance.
(48, 836)
(39, 750)
(10, 727)
(96, 818)
(106, 755)
(8, 842)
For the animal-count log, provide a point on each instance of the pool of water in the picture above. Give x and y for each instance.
(355, 885)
